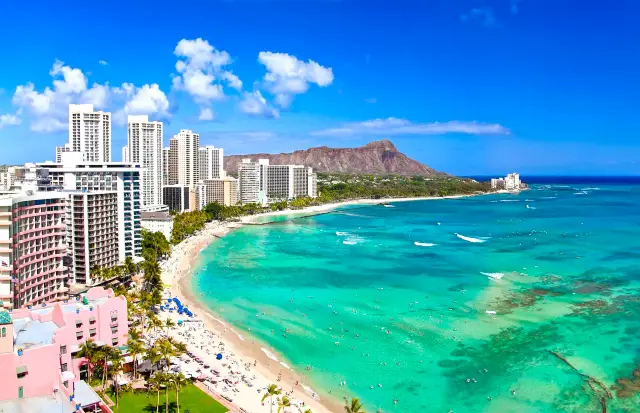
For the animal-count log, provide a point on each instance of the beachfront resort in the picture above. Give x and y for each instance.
(89, 319)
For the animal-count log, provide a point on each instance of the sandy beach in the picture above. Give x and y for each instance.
(250, 358)
(240, 351)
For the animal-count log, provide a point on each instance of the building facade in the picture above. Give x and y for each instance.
(253, 181)
(90, 133)
(144, 140)
(172, 169)
(188, 158)
(158, 222)
(60, 150)
(32, 248)
(177, 198)
(211, 160)
(165, 166)
(223, 191)
(92, 227)
(125, 154)
(39, 346)
(123, 178)
(260, 182)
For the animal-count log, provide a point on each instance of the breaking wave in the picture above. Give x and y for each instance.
(470, 239)
(423, 244)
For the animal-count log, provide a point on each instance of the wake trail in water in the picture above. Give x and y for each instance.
(470, 239)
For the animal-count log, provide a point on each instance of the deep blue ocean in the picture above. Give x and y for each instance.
(478, 304)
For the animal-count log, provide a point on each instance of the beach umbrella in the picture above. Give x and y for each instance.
(219, 356)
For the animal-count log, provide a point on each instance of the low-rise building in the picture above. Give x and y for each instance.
(39, 346)
(158, 222)
(223, 191)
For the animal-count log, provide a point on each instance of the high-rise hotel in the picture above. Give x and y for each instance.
(144, 147)
(89, 133)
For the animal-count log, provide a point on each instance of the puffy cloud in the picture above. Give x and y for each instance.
(103, 63)
(206, 114)
(255, 104)
(395, 126)
(202, 73)
(288, 76)
(9, 119)
(48, 110)
(145, 100)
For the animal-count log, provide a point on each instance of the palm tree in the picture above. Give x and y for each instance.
(272, 390)
(308, 411)
(116, 367)
(153, 356)
(130, 267)
(166, 379)
(354, 406)
(165, 350)
(105, 355)
(90, 350)
(178, 381)
(168, 324)
(178, 346)
(153, 383)
(135, 348)
(284, 403)
(155, 323)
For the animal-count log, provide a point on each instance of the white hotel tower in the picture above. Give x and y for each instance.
(89, 133)
(144, 147)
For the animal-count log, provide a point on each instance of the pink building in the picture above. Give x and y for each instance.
(38, 346)
(32, 247)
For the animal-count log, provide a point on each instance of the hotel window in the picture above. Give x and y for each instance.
(114, 330)
(65, 383)
(63, 349)
(114, 341)
(4, 331)
(63, 367)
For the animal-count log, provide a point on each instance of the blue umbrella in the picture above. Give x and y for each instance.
(219, 356)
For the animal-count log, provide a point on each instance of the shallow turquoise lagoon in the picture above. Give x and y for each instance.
(395, 304)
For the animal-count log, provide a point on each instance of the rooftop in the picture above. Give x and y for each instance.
(32, 333)
(53, 403)
(5, 317)
(156, 216)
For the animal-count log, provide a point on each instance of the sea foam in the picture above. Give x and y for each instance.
(494, 275)
(470, 239)
(423, 244)
(269, 354)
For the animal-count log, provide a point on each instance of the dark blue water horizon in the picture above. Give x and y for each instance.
(568, 179)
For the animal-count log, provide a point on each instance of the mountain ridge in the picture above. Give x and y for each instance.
(379, 157)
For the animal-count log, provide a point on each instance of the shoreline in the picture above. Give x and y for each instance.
(176, 273)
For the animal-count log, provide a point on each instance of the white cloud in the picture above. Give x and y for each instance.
(255, 104)
(395, 126)
(48, 110)
(145, 100)
(288, 76)
(206, 114)
(9, 119)
(202, 73)
(103, 62)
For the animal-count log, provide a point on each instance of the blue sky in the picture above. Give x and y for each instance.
(468, 87)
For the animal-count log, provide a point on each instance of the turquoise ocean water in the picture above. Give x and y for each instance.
(352, 295)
